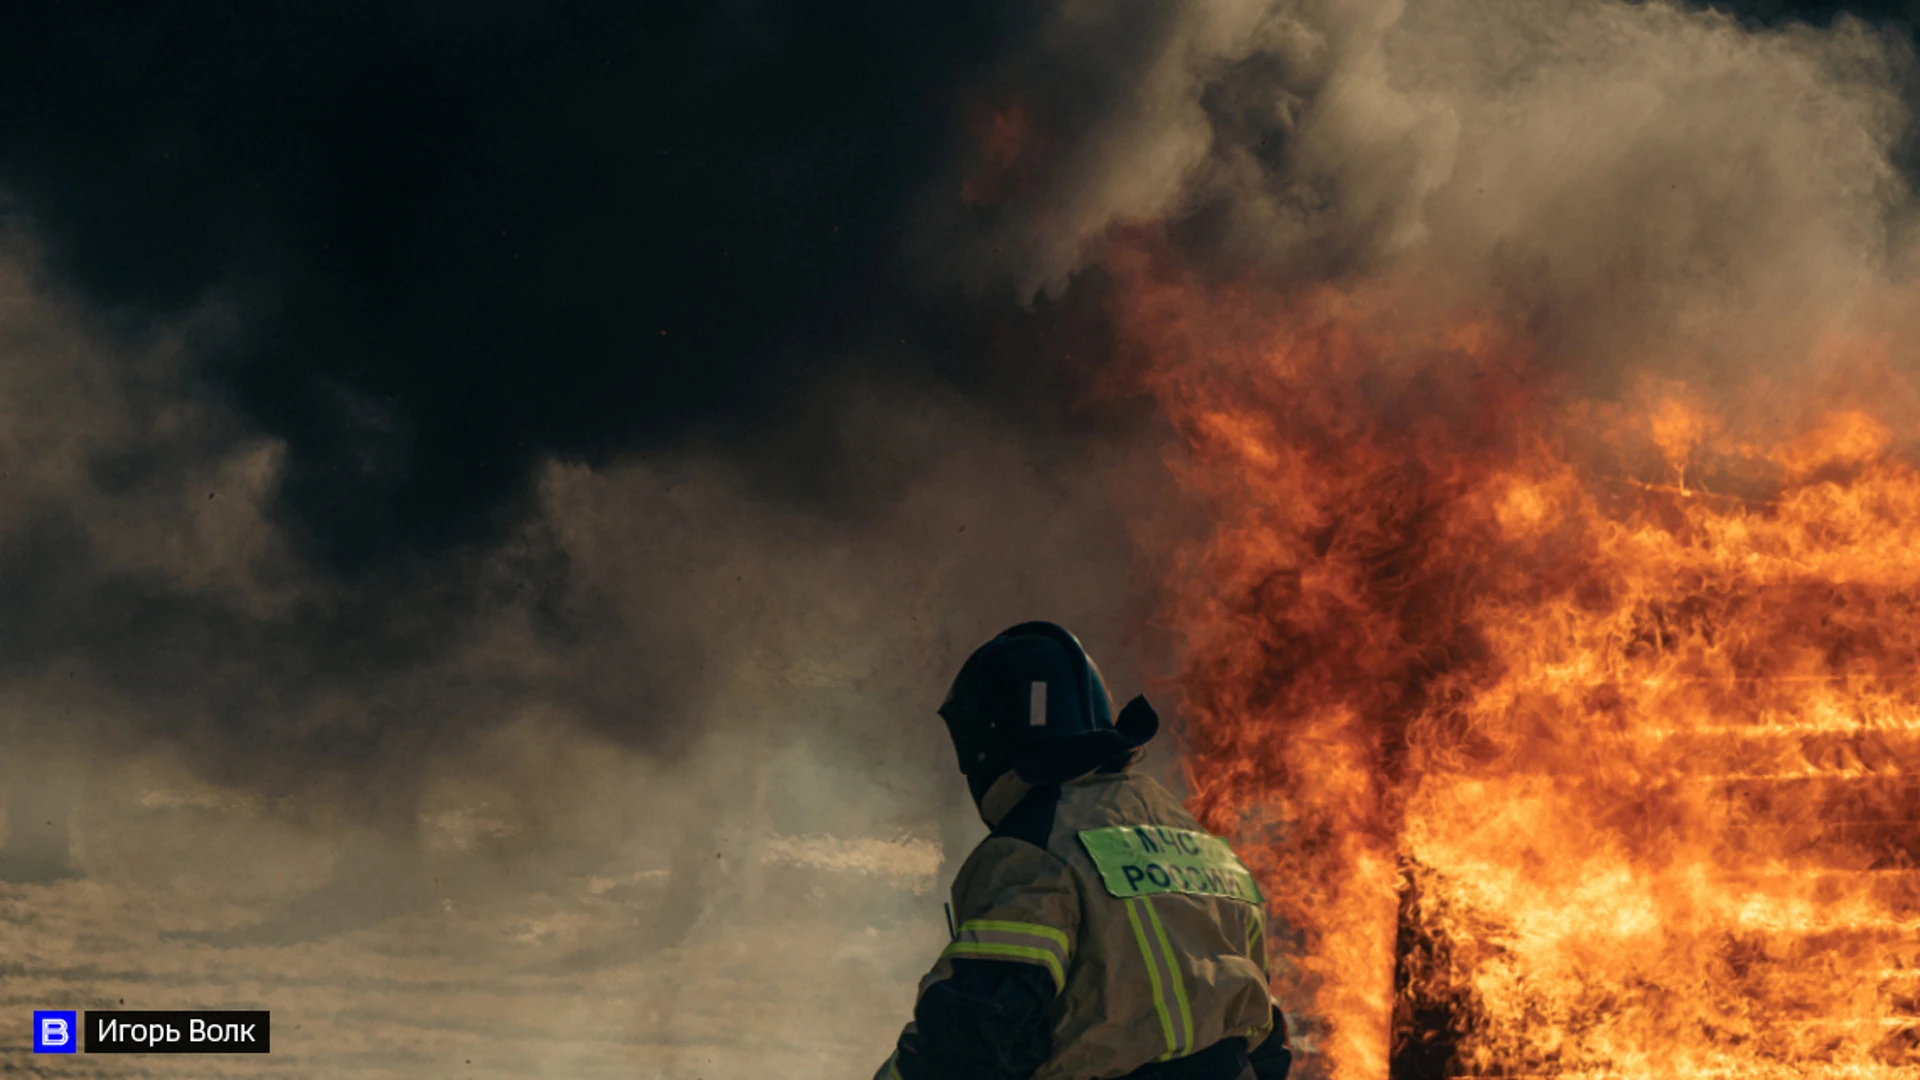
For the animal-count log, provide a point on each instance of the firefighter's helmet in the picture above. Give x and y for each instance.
(1033, 702)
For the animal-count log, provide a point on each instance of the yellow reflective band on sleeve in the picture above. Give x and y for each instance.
(893, 1067)
(1148, 956)
(1004, 939)
(1006, 926)
(993, 950)
(1173, 971)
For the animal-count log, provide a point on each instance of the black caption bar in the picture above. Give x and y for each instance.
(177, 1031)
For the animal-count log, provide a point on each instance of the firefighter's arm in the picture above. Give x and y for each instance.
(983, 1012)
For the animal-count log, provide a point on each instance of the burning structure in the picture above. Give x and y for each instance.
(1577, 740)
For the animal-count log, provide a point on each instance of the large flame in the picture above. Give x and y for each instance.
(1571, 734)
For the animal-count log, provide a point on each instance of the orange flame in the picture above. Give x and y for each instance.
(1570, 738)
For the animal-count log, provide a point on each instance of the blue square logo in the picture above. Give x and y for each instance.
(55, 1031)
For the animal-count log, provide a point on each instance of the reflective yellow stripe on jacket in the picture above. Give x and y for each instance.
(1163, 973)
(1002, 939)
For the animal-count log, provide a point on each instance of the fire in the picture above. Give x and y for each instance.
(1572, 735)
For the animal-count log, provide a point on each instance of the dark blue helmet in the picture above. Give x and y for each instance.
(1031, 701)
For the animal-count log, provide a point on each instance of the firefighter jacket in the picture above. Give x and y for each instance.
(1099, 930)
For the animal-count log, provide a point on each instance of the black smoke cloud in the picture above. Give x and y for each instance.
(461, 239)
(409, 259)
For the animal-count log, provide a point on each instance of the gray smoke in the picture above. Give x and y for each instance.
(1645, 184)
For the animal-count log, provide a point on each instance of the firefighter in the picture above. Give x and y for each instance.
(1099, 932)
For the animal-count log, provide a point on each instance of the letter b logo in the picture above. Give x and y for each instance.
(54, 1031)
